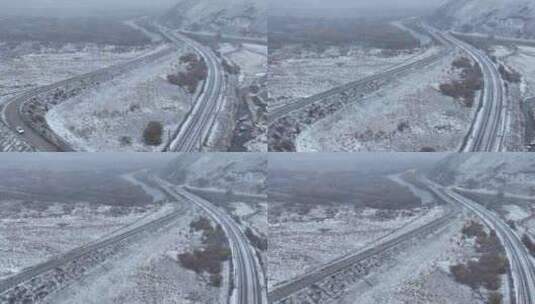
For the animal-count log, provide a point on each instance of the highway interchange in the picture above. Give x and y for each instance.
(521, 263)
(247, 272)
(487, 129)
(247, 275)
(189, 138)
(196, 127)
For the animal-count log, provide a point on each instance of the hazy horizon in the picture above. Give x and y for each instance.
(66, 8)
(352, 8)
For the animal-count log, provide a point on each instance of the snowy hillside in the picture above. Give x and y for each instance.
(514, 18)
(510, 172)
(238, 17)
(239, 172)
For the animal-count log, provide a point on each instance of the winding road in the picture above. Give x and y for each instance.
(287, 289)
(488, 128)
(13, 117)
(195, 129)
(247, 273)
(276, 113)
(72, 255)
(520, 261)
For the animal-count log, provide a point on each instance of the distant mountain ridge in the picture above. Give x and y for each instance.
(514, 172)
(239, 172)
(511, 18)
(231, 17)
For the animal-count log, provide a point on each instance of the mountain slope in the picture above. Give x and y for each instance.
(513, 18)
(511, 172)
(239, 172)
(235, 17)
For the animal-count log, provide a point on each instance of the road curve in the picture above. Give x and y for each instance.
(276, 113)
(196, 127)
(247, 275)
(287, 289)
(487, 130)
(12, 110)
(522, 267)
(76, 253)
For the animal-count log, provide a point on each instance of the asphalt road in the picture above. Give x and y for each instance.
(13, 117)
(196, 127)
(522, 267)
(486, 133)
(247, 273)
(76, 253)
(285, 290)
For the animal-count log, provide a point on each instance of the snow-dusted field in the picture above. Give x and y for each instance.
(149, 273)
(299, 73)
(26, 67)
(419, 274)
(113, 115)
(523, 61)
(406, 115)
(301, 243)
(251, 58)
(29, 235)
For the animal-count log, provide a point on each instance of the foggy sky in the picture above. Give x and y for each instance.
(363, 161)
(353, 8)
(80, 7)
(358, 4)
(85, 161)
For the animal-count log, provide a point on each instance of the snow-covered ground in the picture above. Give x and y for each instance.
(297, 73)
(408, 114)
(251, 58)
(419, 274)
(27, 67)
(147, 274)
(113, 115)
(300, 243)
(523, 61)
(29, 235)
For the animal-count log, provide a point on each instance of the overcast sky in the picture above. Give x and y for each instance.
(61, 7)
(348, 8)
(363, 161)
(367, 4)
(84, 161)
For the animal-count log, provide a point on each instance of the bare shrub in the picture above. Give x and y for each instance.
(152, 135)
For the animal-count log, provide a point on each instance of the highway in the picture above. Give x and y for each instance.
(522, 267)
(247, 274)
(195, 129)
(276, 113)
(487, 130)
(12, 111)
(287, 289)
(72, 255)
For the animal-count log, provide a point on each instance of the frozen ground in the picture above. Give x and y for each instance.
(251, 58)
(419, 274)
(298, 73)
(30, 65)
(409, 114)
(524, 61)
(32, 233)
(300, 243)
(113, 115)
(149, 273)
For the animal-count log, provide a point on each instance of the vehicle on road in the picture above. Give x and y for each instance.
(19, 130)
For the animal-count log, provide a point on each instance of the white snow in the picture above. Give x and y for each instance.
(102, 118)
(372, 124)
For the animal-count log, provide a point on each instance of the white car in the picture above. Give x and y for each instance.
(20, 130)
